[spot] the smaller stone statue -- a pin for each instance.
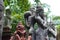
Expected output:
(20, 33)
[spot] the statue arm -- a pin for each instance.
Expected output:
(26, 16)
(30, 21)
(54, 32)
(31, 25)
(41, 21)
(27, 23)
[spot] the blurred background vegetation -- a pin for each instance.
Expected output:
(14, 12)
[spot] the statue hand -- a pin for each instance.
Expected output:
(31, 30)
(38, 18)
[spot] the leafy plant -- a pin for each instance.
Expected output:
(17, 8)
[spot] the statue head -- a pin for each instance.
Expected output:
(39, 9)
(33, 8)
(20, 28)
(27, 14)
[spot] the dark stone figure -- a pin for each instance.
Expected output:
(43, 30)
(37, 17)
(1, 18)
(26, 16)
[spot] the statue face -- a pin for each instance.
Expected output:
(33, 9)
(39, 9)
(20, 27)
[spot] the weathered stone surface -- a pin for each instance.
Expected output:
(1, 18)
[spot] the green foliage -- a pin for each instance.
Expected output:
(56, 18)
(58, 28)
(57, 22)
(6, 2)
(17, 7)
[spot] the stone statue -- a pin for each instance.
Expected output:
(1, 18)
(27, 15)
(38, 18)
(27, 22)
(20, 33)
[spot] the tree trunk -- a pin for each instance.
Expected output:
(1, 18)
